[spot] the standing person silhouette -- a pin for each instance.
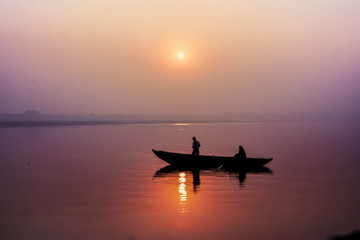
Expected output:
(195, 146)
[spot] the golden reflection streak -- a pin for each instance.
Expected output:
(181, 124)
(182, 187)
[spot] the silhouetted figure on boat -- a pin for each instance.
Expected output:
(241, 154)
(195, 147)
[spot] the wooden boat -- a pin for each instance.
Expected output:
(182, 159)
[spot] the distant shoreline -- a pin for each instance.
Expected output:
(11, 124)
(16, 124)
(36, 119)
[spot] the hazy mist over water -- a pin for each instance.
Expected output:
(103, 182)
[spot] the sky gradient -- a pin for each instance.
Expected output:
(246, 56)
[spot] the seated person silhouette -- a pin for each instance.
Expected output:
(241, 154)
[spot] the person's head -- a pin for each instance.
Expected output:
(240, 146)
(194, 138)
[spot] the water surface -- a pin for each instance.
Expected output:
(104, 182)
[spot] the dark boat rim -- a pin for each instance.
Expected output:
(174, 154)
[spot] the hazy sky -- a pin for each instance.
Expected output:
(113, 56)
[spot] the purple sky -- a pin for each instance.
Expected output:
(121, 56)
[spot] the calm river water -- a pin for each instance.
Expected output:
(104, 182)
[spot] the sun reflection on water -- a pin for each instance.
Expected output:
(182, 187)
(182, 191)
(181, 124)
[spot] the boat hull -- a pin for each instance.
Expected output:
(182, 159)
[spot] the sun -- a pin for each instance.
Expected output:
(180, 55)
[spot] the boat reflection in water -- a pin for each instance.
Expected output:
(183, 176)
(239, 173)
